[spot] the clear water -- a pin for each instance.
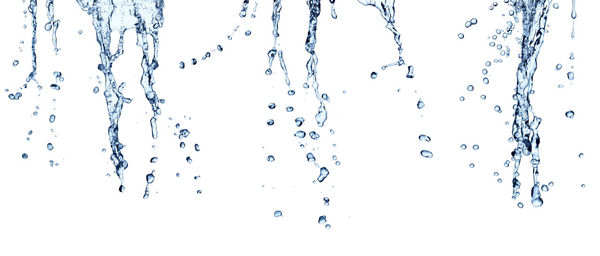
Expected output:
(146, 17)
(275, 51)
(52, 24)
(314, 7)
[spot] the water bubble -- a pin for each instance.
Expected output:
(545, 188)
(277, 214)
(520, 205)
(25, 156)
(181, 65)
(337, 163)
(49, 146)
(424, 137)
(322, 219)
(461, 35)
(570, 114)
(420, 104)
(571, 75)
(426, 154)
(483, 97)
(323, 173)
(470, 88)
(271, 105)
(461, 98)
(373, 75)
(555, 5)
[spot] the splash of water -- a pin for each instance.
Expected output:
(244, 10)
(120, 15)
(274, 51)
(333, 12)
(524, 130)
(311, 66)
(33, 11)
(52, 23)
(387, 10)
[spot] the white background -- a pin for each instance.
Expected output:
(385, 198)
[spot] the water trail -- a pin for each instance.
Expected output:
(33, 11)
(333, 12)
(52, 23)
(524, 131)
(387, 9)
(311, 66)
(274, 51)
(573, 17)
(119, 15)
(244, 10)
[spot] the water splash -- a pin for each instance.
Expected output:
(311, 66)
(333, 12)
(33, 11)
(524, 131)
(52, 23)
(274, 51)
(387, 9)
(120, 15)
(244, 10)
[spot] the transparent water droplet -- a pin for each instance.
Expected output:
(270, 122)
(545, 188)
(270, 158)
(188, 160)
(181, 65)
(475, 147)
(277, 214)
(555, 5)
(153, 159)
(25, 156)
(497, 109)
(558, 67)
(299, 121)
(463, 146)
(570, 114)
(322, 219)
(323, 173)
(580, 155)
(424, 137)
(470, 88)
(499, 180)
(271, 105)
(197, 147)
(310, 157)
(461, 35)
(373, 75)
(300, 134)
(426, 154)
(326, 201)
(571, 75)
(420, 104)
(49, 146)
(520, 205)
(551, 183)
(182, 144)
(471, 165)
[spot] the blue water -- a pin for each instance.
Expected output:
(526, 123)
(275, 51)
(33, 11)
(148, 17)
(311, 66)
(52, 23)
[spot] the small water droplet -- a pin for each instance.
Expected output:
(558, 67)
(322, 219)
(248, 33)
(463, 146)
(426, 154)
(570, 114)
(545, 188)
(300, 134)
(181, 65)
(555, 5)
(270, 158)
(271, 105)
(188, 160)
(580, 155)
(470, 88)
(25, 156)
(424, 137)
(420, 104)
(277, 214)
(499, 180)
(520, 205)
(270, 122)
(323, 173)
(49, 146)
(153, 159)
(471, 165)
(373, 75)
(197, 147)
(475, 147)
(461, 35)
(571, 75)
(326, 201)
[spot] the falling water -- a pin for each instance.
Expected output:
(311, 66)
(33, 11)
(387, 9)
(244, 10)
(525, 132)
(146, 17)
(274, 51)
(573, 17)
(333, 12)
(52, 23)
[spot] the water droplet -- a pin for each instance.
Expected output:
(520, 205)
(420, 104)
(461, 35)
(291, 92)
(270, 158)
(182, 144)
(198, 191)
(555, 5)
(551, 183)
(545, 188)
(373, 75)
(473, 21)
(15, 63)
(570, 114)
(188, 160)
(580, 155)
(471, 165)
(96, 89)
(181, 65)
(470, 88)
(277, 214)
(323, 173)
(411, 72)
(327, 226)
(326, 201)
(322, 219)
(310, 157)
(424, 137)
(25, 156)
(582, 185)
(558, 67)
(150, 178)
(498, 109)
(52, 118)
(486, 80)
(289, 109)
(299, 121)
(475, 147)
(49, 146)
(571, 75)
(314, 135)
(271, 105)
(499, 180)
(463, 146)
(496, 173)
(153, 159)
(197, 147)
(300, 134)
(270, 122)
(426, 154)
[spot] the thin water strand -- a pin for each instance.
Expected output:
(33, 11)
(274, 51)
(311, 66)
(52, 23)
(573, 17)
